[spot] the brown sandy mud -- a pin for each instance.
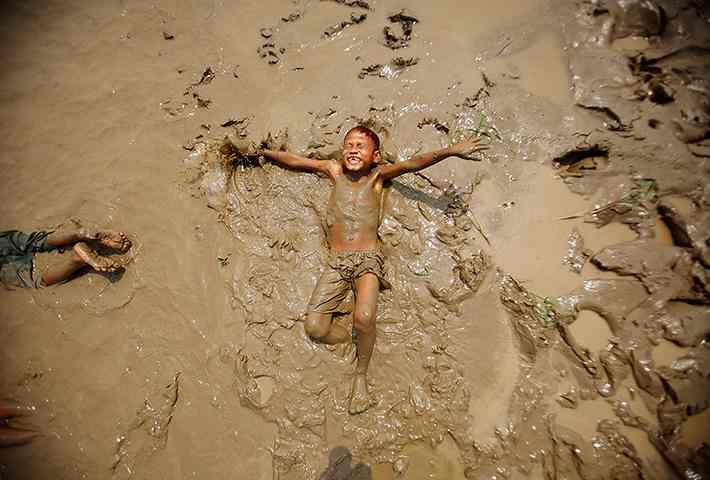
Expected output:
(549, 310)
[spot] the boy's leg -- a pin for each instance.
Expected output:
(367, 289)
(64, 271)
(320, 327)
(81, 256)
(116, 240)
(329, 293)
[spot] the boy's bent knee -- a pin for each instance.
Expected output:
(364, 320)
(316, 325)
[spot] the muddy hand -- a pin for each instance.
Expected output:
(467, 149)
(10, 436)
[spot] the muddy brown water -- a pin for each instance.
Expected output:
(193, 363)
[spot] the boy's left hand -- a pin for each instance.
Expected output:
(468, 148)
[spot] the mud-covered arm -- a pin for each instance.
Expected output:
(465, 149)
(296, 162)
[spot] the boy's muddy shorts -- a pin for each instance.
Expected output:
(338, 278)
(17, 266)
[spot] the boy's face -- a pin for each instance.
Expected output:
(359, 152)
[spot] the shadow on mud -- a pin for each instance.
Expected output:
(340, 467)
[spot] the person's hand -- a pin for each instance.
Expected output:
(467, 149)
(9, 435)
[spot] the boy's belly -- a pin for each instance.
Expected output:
(347, 238)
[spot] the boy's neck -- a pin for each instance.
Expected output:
(357, 176)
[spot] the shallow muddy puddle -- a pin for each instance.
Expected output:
(539, 68)
(592, 330)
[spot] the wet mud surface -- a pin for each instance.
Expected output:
(549, 310)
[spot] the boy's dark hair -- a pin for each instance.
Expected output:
(367, 132)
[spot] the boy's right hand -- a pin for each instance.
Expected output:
(467, 149)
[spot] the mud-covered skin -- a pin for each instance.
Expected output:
(353, 214)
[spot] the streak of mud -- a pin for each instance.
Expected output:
(148, 432)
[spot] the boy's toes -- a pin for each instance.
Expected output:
(94, 260)
(118, 241)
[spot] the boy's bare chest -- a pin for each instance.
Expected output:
(351, 200)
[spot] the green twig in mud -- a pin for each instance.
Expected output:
(484, 129)
(546, 312)
(542, 309)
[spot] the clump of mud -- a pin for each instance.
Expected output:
(388, 70)
(355, 19)
(406, 21)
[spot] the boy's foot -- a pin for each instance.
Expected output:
(360, 399)
(115, 240)
(94, 260)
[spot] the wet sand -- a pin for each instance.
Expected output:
(193, 363)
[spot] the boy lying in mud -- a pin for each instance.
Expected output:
(17, 249)
(353, 218)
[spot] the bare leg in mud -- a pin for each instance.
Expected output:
(108, 238)
(367, 289)
(320, 327)
(81, 256)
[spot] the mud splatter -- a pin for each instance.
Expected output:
(577, 255)
(270, 52)
(355, 19)
(353, 3)
(395, 40)
(388, 70)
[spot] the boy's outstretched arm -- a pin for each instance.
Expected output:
(465, 149)
(297, 162)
